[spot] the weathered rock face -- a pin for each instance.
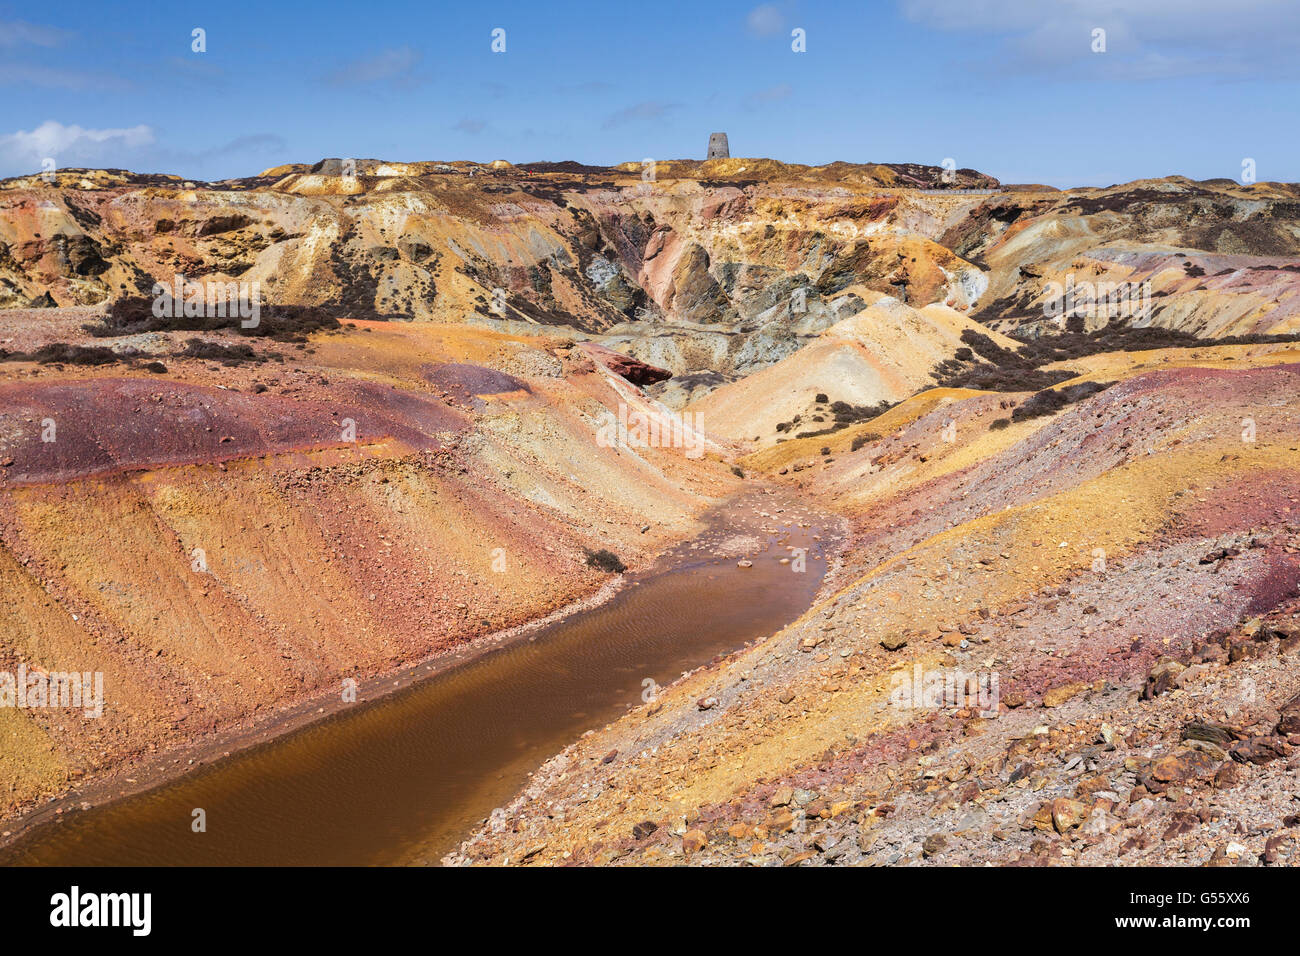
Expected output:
(1216, 258)
(720, 267)
(708, 243)
(695, 295)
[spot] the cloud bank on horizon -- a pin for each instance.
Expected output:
(1077, 92)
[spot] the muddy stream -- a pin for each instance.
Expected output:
(403, 778)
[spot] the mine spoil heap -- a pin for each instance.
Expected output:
(1097, 506)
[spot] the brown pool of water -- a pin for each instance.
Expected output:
(404, 778)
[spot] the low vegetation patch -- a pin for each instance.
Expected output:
(230, 355)
(1049, 401)
(282, 323)
(604, 560)
(62, 353)
(988, 366)
(842, 415)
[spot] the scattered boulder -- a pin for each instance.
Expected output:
(693, 841)
(782, 797)
(1258, 750)
(1183, 766)
(1219, 735)
(1091, 785)
(1289, 717)
(634, 370)
(1180, 823)
(1068, 813)
(933, 844)
(1162, 677)
(1037, 816)
(1229, 775)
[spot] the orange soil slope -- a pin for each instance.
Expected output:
(220, 544)
(884, 353)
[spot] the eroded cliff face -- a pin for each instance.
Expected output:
(702, 243)
(1218, 256)
(710, 269)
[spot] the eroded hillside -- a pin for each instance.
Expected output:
(412, 452)
(1067, 639)
(225, 534)
(712, 270)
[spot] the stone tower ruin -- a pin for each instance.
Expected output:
(718, 148)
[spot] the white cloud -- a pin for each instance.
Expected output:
(647, 110)
(396, 66)
(28, 74)
(765, 20)
(1173, 16)
(772, 94)
(18, 32)
(23, 152)
(1145, 39)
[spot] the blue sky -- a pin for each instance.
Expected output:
(1009, 87)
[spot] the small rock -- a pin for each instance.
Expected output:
(1180, 823)
(1067, 813)
(693, 841)
(1228, 776)
(933, 844)
(643, 829)
(1161, 679)
(783, 797)
(1098, 823)
(1059, 695)
(1218, 734)
(782, 821)
(1289, 717)
(1183, 766)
